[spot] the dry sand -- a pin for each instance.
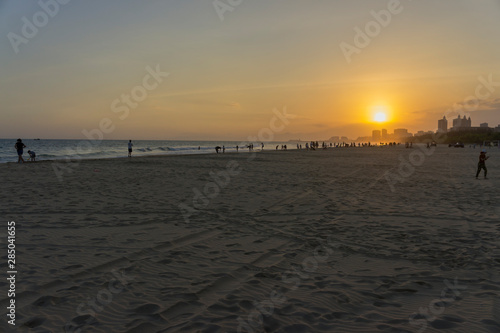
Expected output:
(293, 241)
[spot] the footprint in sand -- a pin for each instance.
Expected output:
(34, 322)
(147, 309)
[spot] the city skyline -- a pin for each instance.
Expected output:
(462, 122)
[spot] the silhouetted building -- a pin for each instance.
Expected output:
(443, 125)
(384, 133)
(376, 135)
(401, 132)
(483, 125)
(460, 124)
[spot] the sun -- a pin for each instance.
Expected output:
(380, 117)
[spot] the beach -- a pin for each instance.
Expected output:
(373, 239)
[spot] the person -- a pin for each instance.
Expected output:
(237, 148)
(130, 145)
(217, 149)
(262, 144)
(482, 164)
(19, 147)
(32, 155)
(223, 149)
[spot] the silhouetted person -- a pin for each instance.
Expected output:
(482, 164)
(237, 148)
(217, 149)
(223, 149)
(130, 145)
(19, 147)
(32, 155)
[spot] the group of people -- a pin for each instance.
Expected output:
(19, 146)
(223, 148)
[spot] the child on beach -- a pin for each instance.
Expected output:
(19, 147)
(482, 164)
(32, 155)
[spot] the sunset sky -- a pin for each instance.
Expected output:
(230, 66)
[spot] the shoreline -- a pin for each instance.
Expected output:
(243, 151)
(123, 157)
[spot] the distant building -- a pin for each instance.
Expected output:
(420, 133)
(460, 124)
(334, 139)
(376, 135)
(345, 138)
(401, 132)
(384, 133)
(483, 125)
(497, 129)
(364, 139)
(443, 125)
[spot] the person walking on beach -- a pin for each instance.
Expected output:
(19, 147)
(130, 145)
(482, 164)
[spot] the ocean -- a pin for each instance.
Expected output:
(85, 149)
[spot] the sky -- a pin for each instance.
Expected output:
(67, 65)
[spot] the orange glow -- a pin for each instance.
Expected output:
(380, 114)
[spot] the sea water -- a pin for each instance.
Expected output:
(85, 149)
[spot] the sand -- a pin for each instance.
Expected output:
(337, 240)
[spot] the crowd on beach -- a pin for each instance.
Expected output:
(313, 145)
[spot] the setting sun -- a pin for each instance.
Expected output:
(380, 117)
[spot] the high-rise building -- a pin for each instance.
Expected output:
(401, 132)
(376, 135)
(461, 123)
(384, 133)
(443, 125)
